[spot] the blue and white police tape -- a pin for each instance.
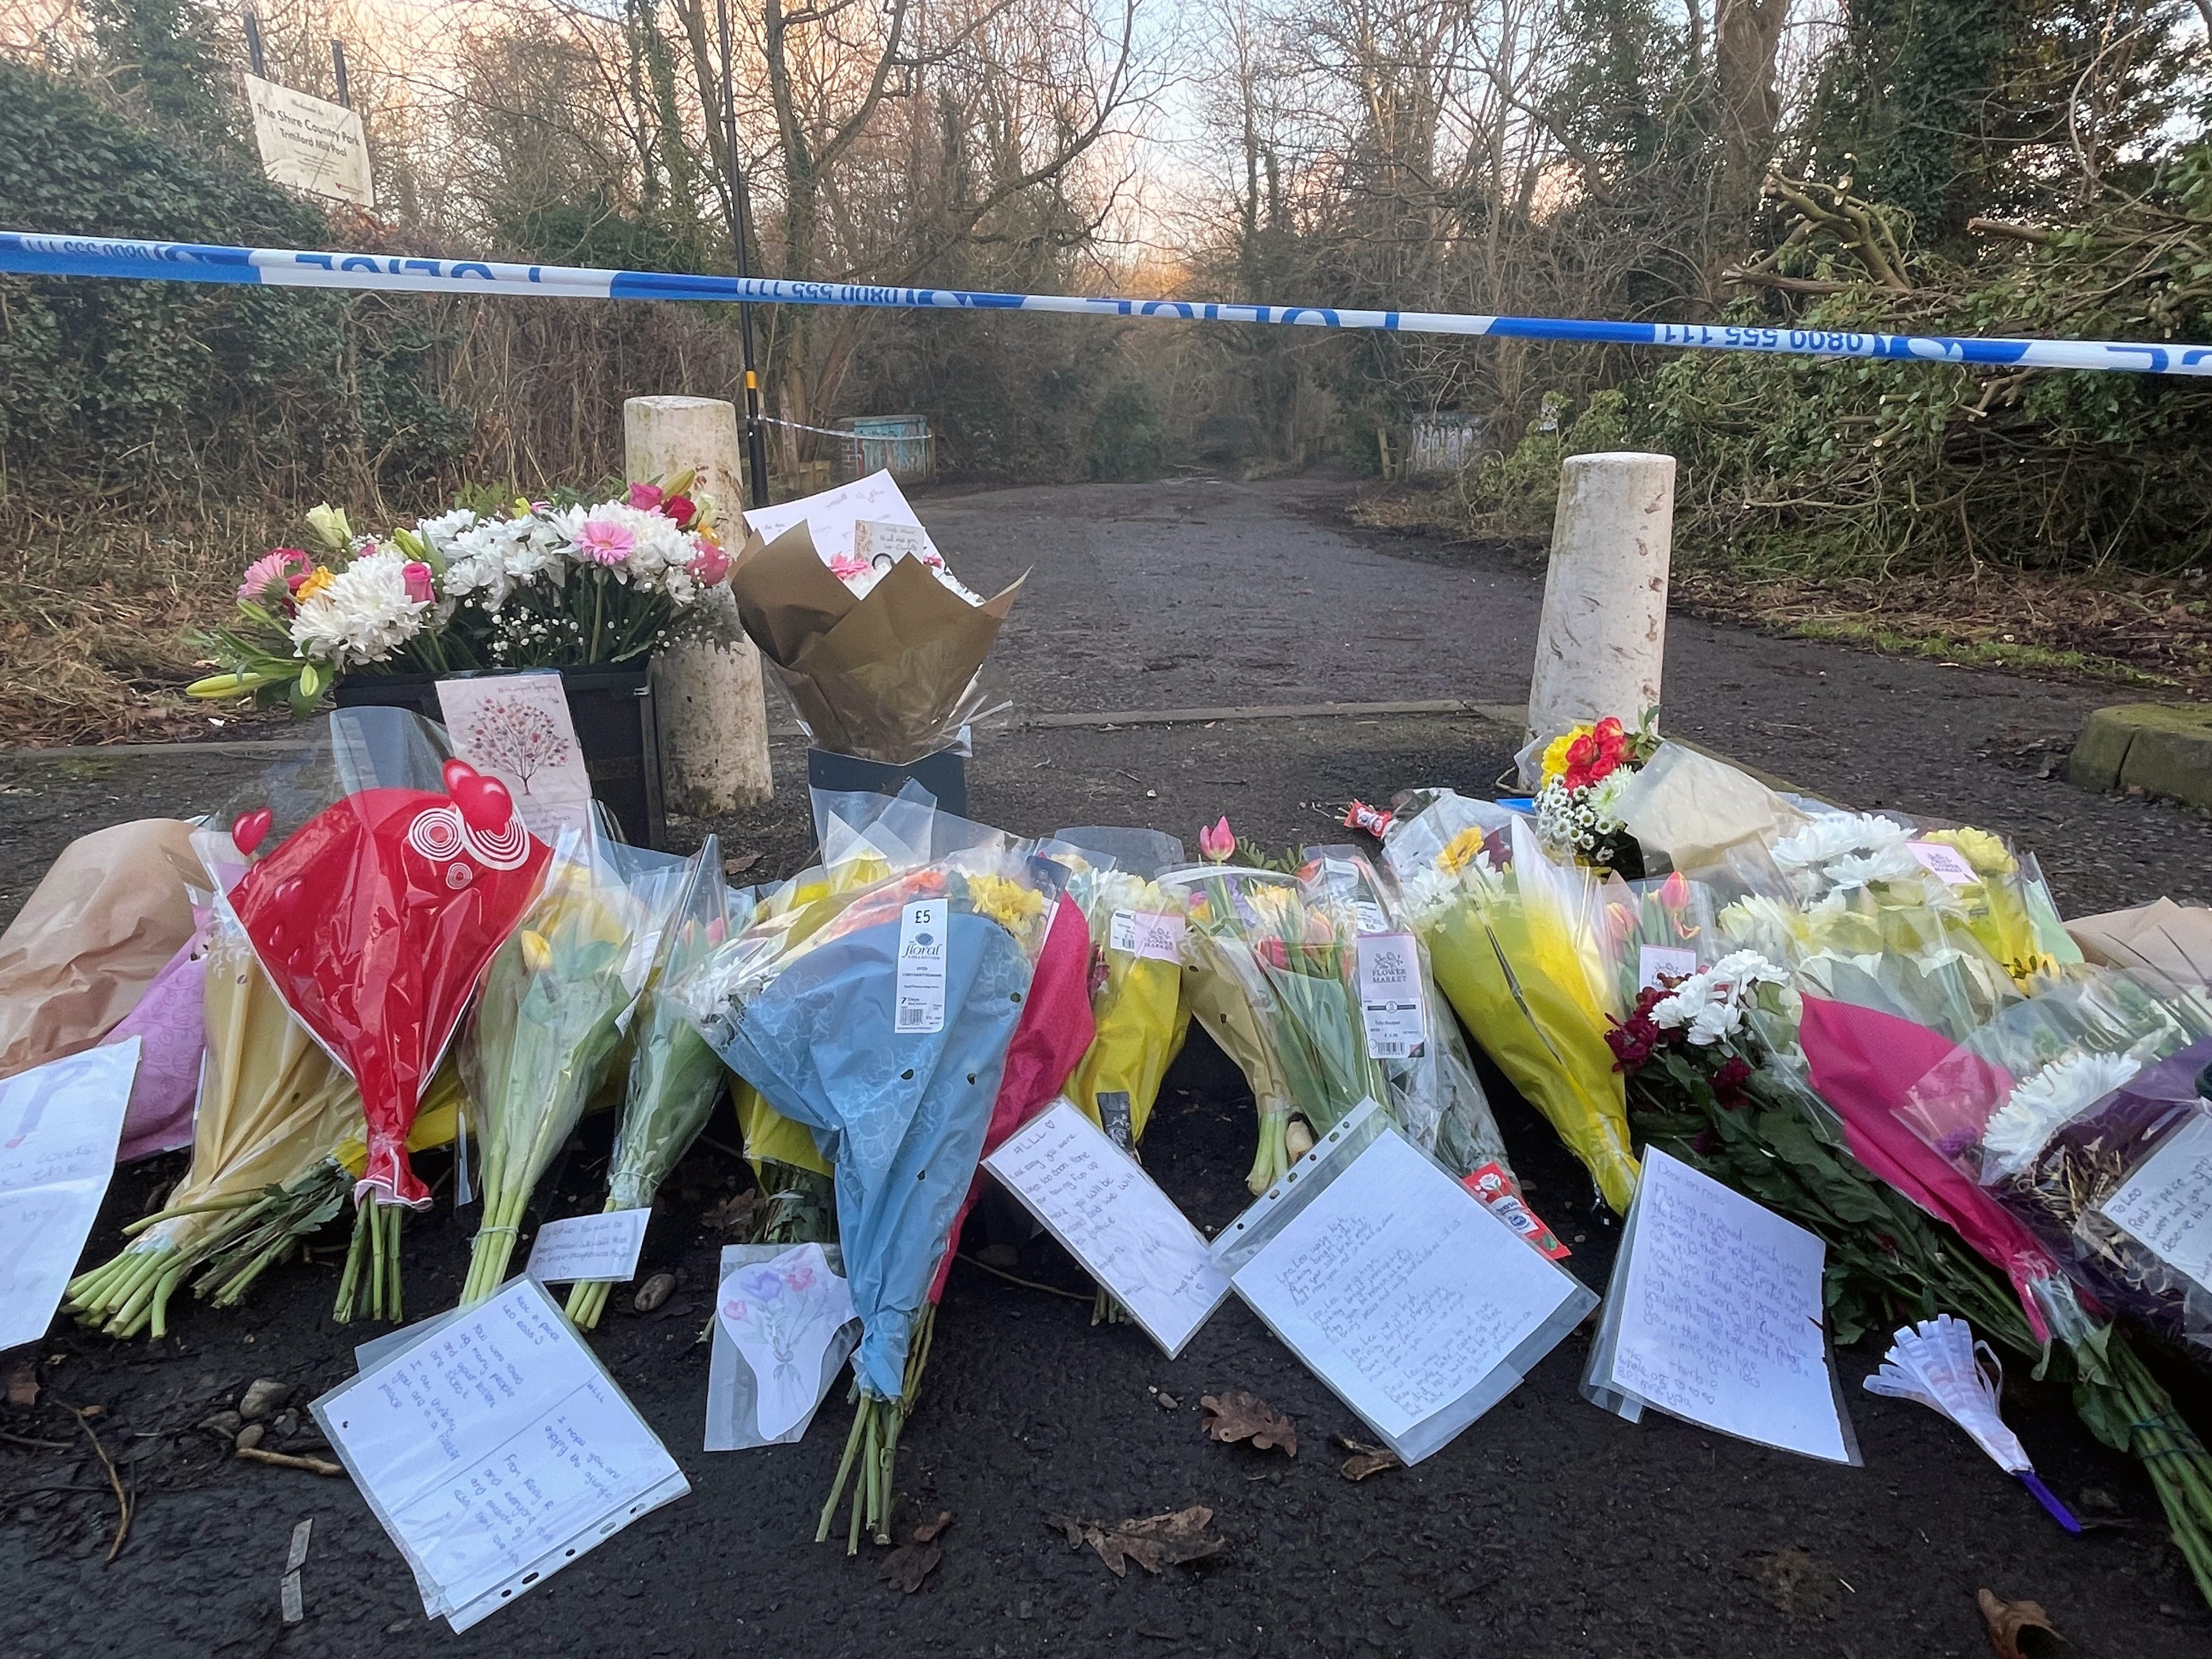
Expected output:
(32, 253)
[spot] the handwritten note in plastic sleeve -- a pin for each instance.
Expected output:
(594, 1246)
(2166, 1205)
(59, 1126)
(1721, 1315)
(1097, 1200)
(496, 1451)
(1399, 1290)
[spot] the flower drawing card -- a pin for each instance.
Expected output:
(517, 728)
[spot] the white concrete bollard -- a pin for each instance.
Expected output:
(713, 712)
(1603, 637)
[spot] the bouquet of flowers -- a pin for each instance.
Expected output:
(1518, 942)
(1138, 1013)
(1847, 905)
(1868, 1066)
(375, 920)
(1708, 1059)
(272, 1105)
(538, 585)
(2003, 901)
(1273, 978)
(880, 1020)
(557, 1000)
(674, 1077)
(2059, 1106)
(1579, 779)
(1656, 932)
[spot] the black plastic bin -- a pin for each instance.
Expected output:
(613, 709)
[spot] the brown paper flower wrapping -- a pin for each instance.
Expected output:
(107, 917)
(890, 676)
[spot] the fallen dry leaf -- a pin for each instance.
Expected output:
(2021, 1630)
(1155, 1541)
(905, 1567)
(23, 1381)
(1241, 1416)
(740, 864)
(1366, 1460)
(927, 1531)
(734, 1213)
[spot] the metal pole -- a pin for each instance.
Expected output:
(337, 64)
(741, 234)
(254, 43)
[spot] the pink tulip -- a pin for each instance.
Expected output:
(1218, 844)
(416, 575)
(644, 496)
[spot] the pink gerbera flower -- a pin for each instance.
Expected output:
(846, 569)
(273, 570)
(603, 543)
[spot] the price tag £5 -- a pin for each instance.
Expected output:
(923, 926)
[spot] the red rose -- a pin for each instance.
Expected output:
(682, 508)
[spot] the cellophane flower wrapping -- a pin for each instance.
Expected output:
(674, 1077)
(1055, 1029)
(2057, 1105)
(377, 917)
(804, 1005)
(783, 1153)
(1844, 904)
(1433, 1092)
(1516, 944)
(1138, 1013)
(2007, 907)
(272, 1107)
(1272, 975)
(556, 1004)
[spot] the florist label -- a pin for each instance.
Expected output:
(2167, 1203)
(920, 989)
(1390, 995)
(1944, 862)
(1146, 933)
(589, 1246)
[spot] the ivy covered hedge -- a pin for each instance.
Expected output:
(138, 384)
